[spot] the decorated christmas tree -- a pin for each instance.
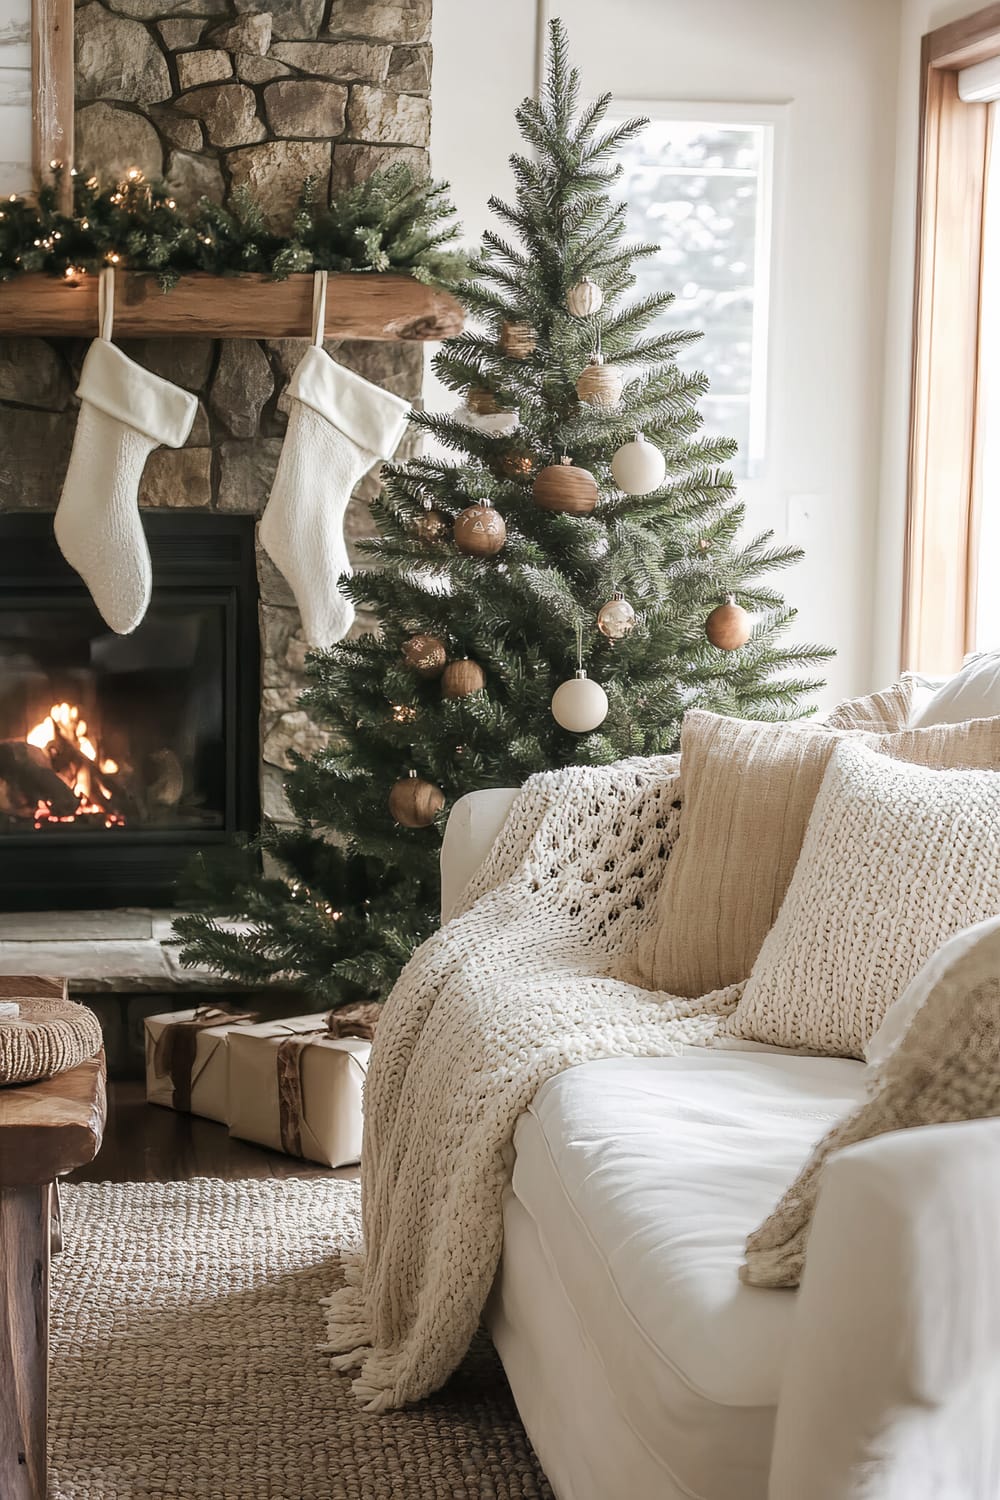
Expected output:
(559, 588)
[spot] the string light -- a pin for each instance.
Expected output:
(133, 174)
(113, 257)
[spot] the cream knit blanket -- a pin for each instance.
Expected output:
(528, 979)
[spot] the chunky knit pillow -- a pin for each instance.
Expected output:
(896, 858)
(748, 790)
(944, 1068)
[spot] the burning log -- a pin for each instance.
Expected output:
(27, 770)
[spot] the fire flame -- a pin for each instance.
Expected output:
(63, 735)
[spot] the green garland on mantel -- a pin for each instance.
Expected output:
(391, 222)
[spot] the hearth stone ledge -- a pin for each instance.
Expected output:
(125, 967)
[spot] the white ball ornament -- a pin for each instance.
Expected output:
(638, 468)
(579, 705)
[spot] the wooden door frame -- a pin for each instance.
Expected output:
(52, 93)
(938, 592)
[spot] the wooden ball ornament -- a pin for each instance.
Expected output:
(729, 627)
(584, 298)
(600, 384)
(579, 705)
(431, 525)
(616, 619)
(517, 340)
(638, 467)
(482, 402)
(461, 678)
(566, 488)
(414, 802)
(479, 530)
(425, 655)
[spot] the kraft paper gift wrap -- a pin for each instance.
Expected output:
(297, 1089)
(187, 1066)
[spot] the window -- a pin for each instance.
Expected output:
(698, 183)
(986, 530)
(953, 527)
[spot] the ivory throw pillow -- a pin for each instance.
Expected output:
(945, 1068)
(896, 859)
(748, 790)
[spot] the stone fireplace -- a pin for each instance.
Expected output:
(225, 94)
(210, 95)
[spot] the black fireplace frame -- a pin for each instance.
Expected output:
(206, 559)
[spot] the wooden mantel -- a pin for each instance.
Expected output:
(359, 305)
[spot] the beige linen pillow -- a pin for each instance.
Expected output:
(945, 1068)
(747, 790)
(888, 711)
(896, 859)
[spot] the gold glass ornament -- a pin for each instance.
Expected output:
(480, 530)
(600, 384)
(430, 526)
(616, 619)
(566, 488)
(414, 802)
(584, 298)
(729, 627)
(425, 655)
(462, 678)
(517, 340)
(516, 465)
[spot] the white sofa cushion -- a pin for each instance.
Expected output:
(973, 693)
(643, 1178)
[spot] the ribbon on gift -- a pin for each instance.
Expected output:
(351, 1020)
(177, 1044)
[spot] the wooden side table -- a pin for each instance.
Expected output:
(46, 1129)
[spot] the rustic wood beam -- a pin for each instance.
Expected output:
(359, 305)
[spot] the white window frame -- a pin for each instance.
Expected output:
(774, 120)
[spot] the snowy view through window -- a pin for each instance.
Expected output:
(701, 192)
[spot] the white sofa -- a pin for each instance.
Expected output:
(644, 1369)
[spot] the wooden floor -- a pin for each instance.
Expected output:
(146, 1143)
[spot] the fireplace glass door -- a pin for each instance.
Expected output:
(100, 731)
(122, 755)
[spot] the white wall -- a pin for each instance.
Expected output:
(15, 96)
(836, 62)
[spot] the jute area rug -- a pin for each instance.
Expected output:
(185, 1319)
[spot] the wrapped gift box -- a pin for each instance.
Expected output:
(297, 1089)
(187, 1067)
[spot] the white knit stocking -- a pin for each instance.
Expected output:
(126, 413)
(340, 425)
